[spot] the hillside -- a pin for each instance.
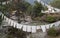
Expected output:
(45, 1)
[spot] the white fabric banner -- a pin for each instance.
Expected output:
(24, 28)
(19, 26)
(57, 23)
(6, 19)
(47, 26)
(33, 29)
(2, 15)
(43, 28)
(15, 24)
(51, 25)
(29, 28)
(38, 27)
(4, 3)
(11, 22)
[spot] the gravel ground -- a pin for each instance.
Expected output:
(37, 35)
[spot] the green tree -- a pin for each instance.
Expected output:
(37, 9)
(21, 9)
(55, 3)
(30, 10)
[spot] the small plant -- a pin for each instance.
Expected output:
(52, 32)
(50, 19)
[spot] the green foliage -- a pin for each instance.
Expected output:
(37, 18)
(41, 14)
(37, 9)
(3, 8)
(50, 19)
(52, 32)
(55, 3)
(21, 6)
(45, 8)
(0, 20)
(23, 9)
(30, 10)
(14, 32)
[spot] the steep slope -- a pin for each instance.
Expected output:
(45, 1)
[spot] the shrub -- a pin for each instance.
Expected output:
(52, 32)
(50, 19)
(0, 20)
(14, 32)
(41, 14)
(37, 18)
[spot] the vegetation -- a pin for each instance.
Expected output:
(16, 33)
(50, 19)
(37, 9)
(56, 3)
(52, 32)
(24, 9)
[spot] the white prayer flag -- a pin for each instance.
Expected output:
(24, 28)
(6, 19)
(51, 25)
(33, 29)
(15, 24)
(47, 26)
(19, 26)
(57, 23)
(11, 22)
(43, 28)
(38, 27)
(29, 28)
(4, 3)
(2, 15)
